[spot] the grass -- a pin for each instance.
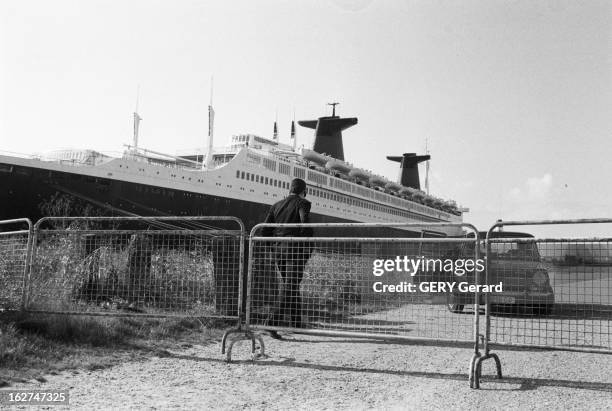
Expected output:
(32, 345)
(152, 273)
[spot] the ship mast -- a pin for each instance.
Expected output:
(426, 169)
(275, 133)
(207, 163)
(333, 108)
(137, 119)
(293, 136)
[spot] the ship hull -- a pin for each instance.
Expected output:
(29, 192)
(34, 193)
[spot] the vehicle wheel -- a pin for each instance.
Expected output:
(455, 308)
(543, 309)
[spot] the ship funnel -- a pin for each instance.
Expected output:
(409, 169)
(328, 134)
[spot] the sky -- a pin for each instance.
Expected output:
(513, 97)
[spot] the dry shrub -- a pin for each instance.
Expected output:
(73, 271)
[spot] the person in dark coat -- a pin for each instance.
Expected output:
(290, 257)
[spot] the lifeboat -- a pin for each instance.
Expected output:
(446, 206)
(429, 200)
(315, 157)
(438, 202)
(407, 191)
(359, 174)
(393, 186)
(418, 193)
(377, 181)
(338, 166)
(450, 206)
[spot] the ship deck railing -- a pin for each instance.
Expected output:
(279, 156)
(92, 159)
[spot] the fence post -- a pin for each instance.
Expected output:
(27, 268)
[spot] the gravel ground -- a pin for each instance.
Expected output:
(307, 372)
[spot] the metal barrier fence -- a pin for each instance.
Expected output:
(15, 240)
(137, 266)
(361, 284)
(359, 281)
(557, 292)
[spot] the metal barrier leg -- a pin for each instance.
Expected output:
(242, 336)
(262, 347)
(497, 366)
(477, 336)
(475, 383)
(225, 335)
(472, 372)
(478, 369)
(477, 365)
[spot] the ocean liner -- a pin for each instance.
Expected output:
(242, 180)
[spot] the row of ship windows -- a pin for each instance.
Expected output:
(165, 192)
(324, 194)
(171, 175)
(261, 179)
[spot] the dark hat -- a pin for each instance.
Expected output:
(298, 186)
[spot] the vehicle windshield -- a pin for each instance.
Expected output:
(506, 250)
(513, 250)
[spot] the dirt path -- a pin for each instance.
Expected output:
(335, 373)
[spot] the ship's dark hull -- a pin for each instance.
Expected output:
(34, 193)
(30, 192)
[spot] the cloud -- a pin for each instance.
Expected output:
(534, 199)
(540, 198)
(536, 189)
(539, 187)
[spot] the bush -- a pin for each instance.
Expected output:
(77, 271)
